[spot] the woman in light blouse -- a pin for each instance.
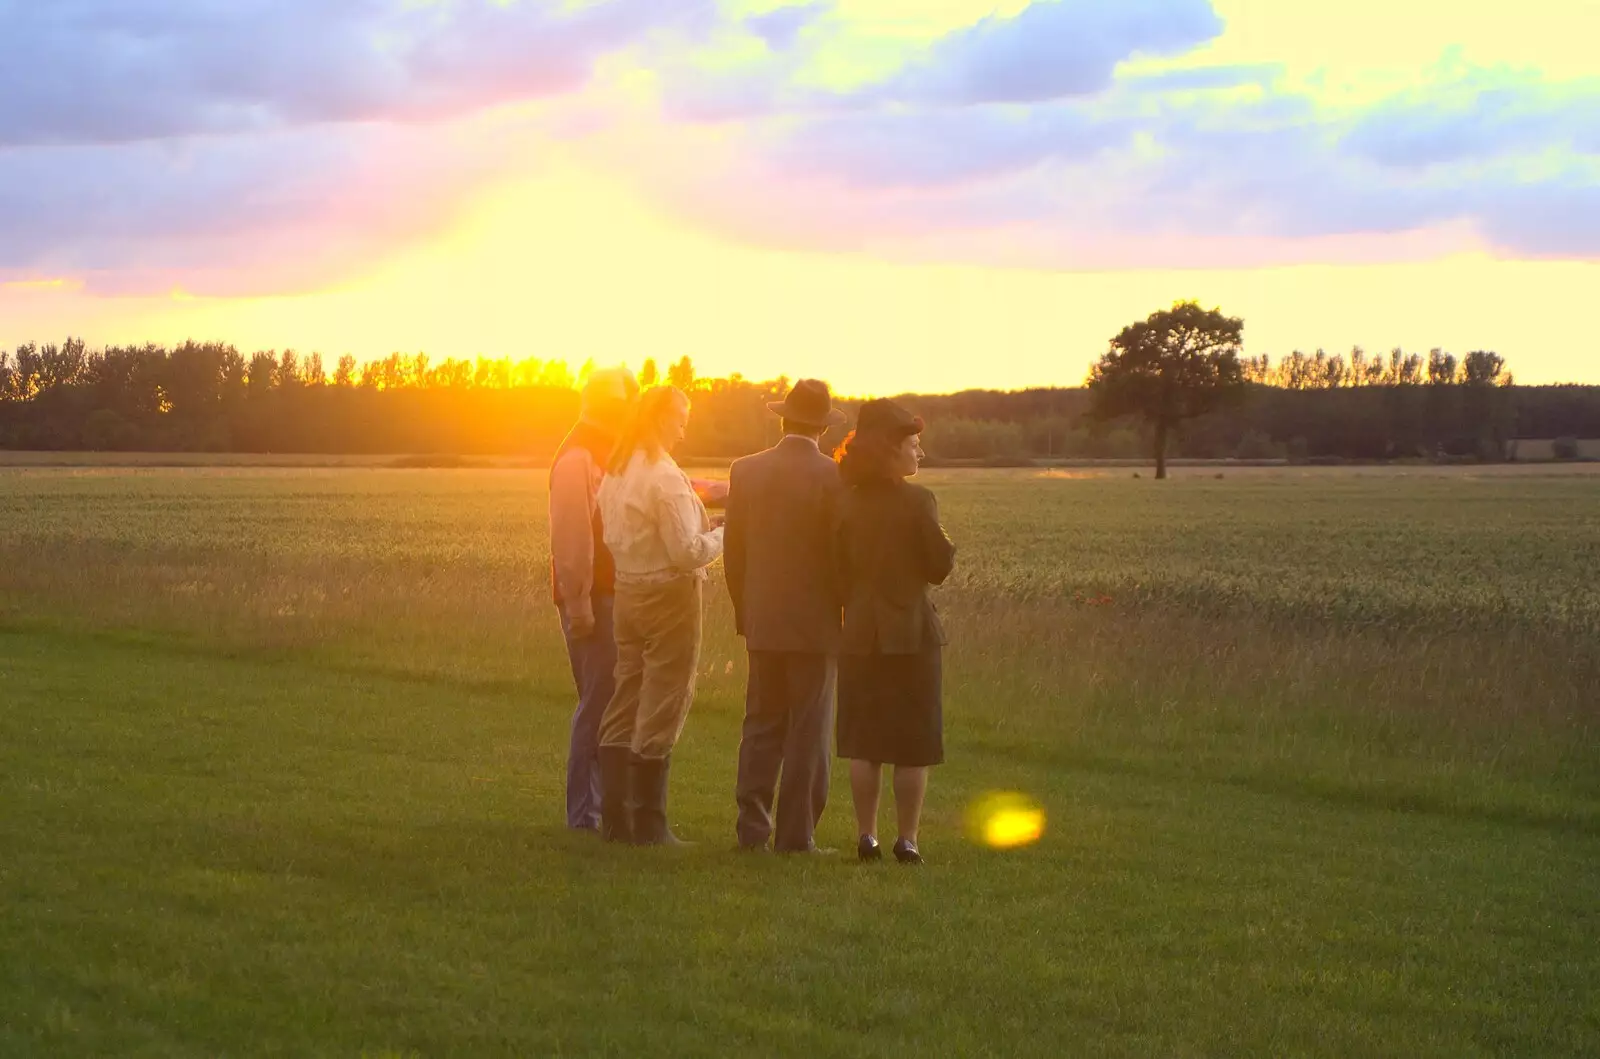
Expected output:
(662, 540)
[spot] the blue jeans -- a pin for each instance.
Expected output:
(594, 663)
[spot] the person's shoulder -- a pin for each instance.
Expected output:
(764, 466)
(807, 458)
(668, 475)
(577, 456)
(638, 474)
(917, 495)
(744, 466)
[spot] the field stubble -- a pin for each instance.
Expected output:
(1287, 623)
(1323, 749)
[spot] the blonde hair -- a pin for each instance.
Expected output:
(643, 430)
(608, 393)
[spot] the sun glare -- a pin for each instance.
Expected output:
(1005, 820)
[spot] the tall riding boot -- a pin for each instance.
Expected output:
(616, 794)
(650, 791)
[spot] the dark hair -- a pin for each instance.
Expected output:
(805, 430)
(864, 458)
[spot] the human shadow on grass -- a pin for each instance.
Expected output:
(185, 645)
(451, 856)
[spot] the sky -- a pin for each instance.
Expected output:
(894, 195)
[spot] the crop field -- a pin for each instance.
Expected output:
(281, 756)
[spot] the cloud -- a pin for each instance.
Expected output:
(255, 146)
(890, 149)
(781, 28)
(1052, 49)
(1549, 221)
(275, 211)
(770, 83)
(1476, 116)
(1229, 167)
(1034, 122)
(1205, 78)
(94, 71)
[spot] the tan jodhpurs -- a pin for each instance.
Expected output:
(658, 657)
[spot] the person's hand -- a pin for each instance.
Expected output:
(711, 491)
(580, 620)
(718, 521)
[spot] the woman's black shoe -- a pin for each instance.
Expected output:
(906, 853)
(868, 850)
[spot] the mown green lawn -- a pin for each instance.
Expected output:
(260, 796)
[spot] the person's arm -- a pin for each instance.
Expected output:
(712, 492)
(682, 518)
(572, 537)
(839, 547)
(938, 552)
(833, 536)
(733, 543)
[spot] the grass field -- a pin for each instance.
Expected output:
(281, 750)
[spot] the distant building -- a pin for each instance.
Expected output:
(1534, 450)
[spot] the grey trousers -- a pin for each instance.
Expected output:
(788, 725)
(594, 665)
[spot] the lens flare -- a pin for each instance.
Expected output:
(1005, 820)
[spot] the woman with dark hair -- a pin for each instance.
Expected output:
(890, 549)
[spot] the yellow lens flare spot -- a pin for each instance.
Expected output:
(1005, 820)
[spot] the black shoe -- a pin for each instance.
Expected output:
(906, 852)
(650, 794)
(868, 851)
(616, 794)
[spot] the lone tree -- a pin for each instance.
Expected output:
(1180, 363)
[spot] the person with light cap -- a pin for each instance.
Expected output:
(583, 576)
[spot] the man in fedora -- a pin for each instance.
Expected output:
(778, 558)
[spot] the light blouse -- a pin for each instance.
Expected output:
(655, 526)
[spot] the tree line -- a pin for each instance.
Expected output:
(209, 397)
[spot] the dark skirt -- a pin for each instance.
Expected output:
(891, 708)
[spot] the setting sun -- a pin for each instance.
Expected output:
(858, 191)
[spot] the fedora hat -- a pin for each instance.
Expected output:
(809, 402)
(883, 416)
